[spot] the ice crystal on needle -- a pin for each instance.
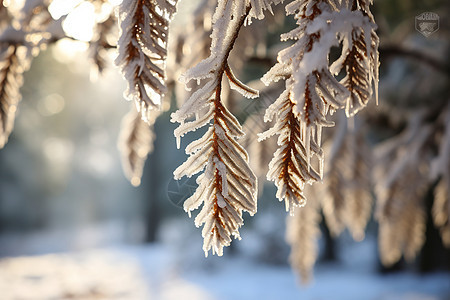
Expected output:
(359, 59)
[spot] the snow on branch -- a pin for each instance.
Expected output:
(312, 91)
(299, 129)
(142, 50)
(291, 167)
(190, 44)
(259, 6)
(359, 60)
(227, 186)
(348, 201)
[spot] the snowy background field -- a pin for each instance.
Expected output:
(175, 268)
(152, 272)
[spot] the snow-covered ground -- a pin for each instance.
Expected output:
(155, 272)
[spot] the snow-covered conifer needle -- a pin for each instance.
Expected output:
(302, 233)
(348, 201)
(227, 186)
(300, 110)
(30, 30)
(142, 50)
(400, 192)
(13, 62)
(441, 168)
(311, 89)
(289, 166)
(135, 143)
(359, 60)
(441, 208)
(101, 42)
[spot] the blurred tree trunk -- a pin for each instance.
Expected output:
(434, 255)
(329, 253)
(152, 189)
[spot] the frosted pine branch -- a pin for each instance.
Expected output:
(400, 192)
(441, 209)
(334, 202)
(190, 45)
(291, 167)
(299, 111)
(100, 44)
(348, 200)
(359, 60)
(227, 186)
(142, 50)
(27, 34)
(310, 86)
(14, 61)
(359, 197)
(441, 169)
(302, 233)
(135, 143)
(402, 231)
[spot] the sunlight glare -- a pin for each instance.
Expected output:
(58, 8)
(58, 151)
(67, 50)
(80, 22)
(13, 6)
(51, 105)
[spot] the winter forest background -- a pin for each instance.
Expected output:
(73, 227)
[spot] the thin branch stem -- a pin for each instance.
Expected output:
(386, 51)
